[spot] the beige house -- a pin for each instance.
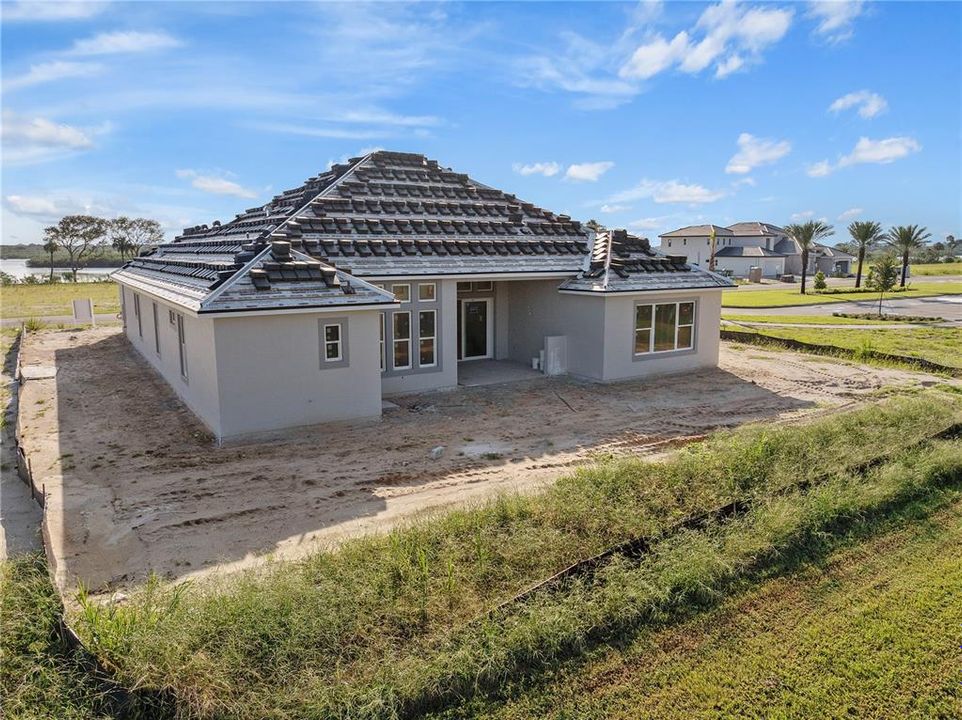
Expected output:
(745, 245)
(390, 274)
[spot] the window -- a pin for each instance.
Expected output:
(484, 286)
(669, 243)
(332, 342)
(664, 327)
(380, 343)
(465, 287)
(427, 292)
(171, 317)
(684, 241)
(153, 309)
(402, 340)
(140, 324)
(426, 338)
(402, 292)
(182, 345)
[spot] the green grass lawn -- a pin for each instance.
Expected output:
(870, 630)
(939, 345)
(806, 319)
(399, 624)
(24, 301)
(792, 296)
(937, 269)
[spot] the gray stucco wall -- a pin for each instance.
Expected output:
(199, 389)
(620, 361)
(537, 309)
(272, 376)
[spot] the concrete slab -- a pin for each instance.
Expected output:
(476, 373)
(37, 372)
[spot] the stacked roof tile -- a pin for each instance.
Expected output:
(382, 215)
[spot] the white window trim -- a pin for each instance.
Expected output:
(382, 341)
(172, 317)
(651, 329)
(340, 335)
(395, 341)
(488, 283)
(435, 293)
(182, 345)
(140, 323)
(432, 338)
(398, 285)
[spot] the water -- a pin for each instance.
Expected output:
(19, 269)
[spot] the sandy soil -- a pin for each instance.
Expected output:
(135, 484)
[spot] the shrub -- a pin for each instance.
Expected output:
(820, 283)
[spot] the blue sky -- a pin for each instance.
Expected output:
(645, 115)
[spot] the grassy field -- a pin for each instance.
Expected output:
(937, 269)
(939, 345)
(399, 624)
(792, 296)
(39, 676)
(806, 319)
(868, 627)
(25, 301)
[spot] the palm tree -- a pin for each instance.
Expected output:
(806, 235)
(51, 246)
(905, 239)
(865, 233)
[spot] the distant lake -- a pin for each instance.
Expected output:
(19, 269)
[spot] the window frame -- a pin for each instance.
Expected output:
(339, 342)
(433, 338)
(394, 288)
(651, 352)
(156, 317)
(395, 341)
(434, 292)
(382, 341)
(140, 322)
(484, 286)
(182, 346)
(172, 317)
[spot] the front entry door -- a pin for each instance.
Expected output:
(477, 337)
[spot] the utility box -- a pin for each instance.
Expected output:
(555, 355)
(754, 274)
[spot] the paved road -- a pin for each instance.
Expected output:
(769, 284)
(944, 306)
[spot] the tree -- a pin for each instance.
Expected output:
(78, 236)
(883, 276)
(593, 224)
(820, 283)
(806, 235)
(129, 235)
(905, 239)
(865, 234)
(50, 246)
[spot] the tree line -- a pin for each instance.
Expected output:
(865, 235)
(82, 237)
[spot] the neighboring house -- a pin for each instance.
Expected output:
(386, 274)
(744, 245)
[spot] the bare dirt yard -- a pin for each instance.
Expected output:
(135, 484)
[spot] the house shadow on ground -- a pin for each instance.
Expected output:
(137, 485)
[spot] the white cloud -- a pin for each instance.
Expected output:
(31, 205)
(869, 104)
(548, 169)
(648, 223)
(880, 151)
(321, 132)
(668, 191)
(835, 18)
(850, 213)
(744, 181)
(113, 43)
(37, 139)
(611, 208)
(588, 172)
(804, 215)
(728, 36)
(868, 151)
(215, 185)
(381, 117)
(33, 11)
(51, 72)
(754, 151)
(819, 169)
